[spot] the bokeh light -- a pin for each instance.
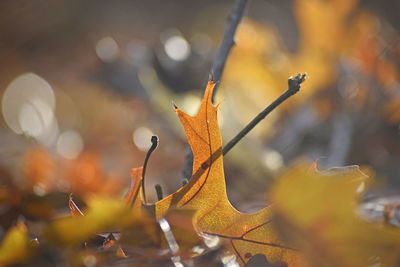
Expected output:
(272, 159)
(28, 106)
(107, 49)
(142, 138)
(175, 45)
(191, 104)
(69, 144)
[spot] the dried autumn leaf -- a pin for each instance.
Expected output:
(143, 233)
(103, 215)
(144, 236)
(132, 198)
(246, 234)
(108, 242)
(318, 214)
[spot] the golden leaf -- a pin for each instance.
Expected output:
(246, 234)
(103, 215)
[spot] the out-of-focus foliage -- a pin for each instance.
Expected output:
(351, 57)
(15, 247)
(318, 214)
(81, 176)
(102, 214)
(331, 33)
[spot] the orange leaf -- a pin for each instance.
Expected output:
(246, 234)
(134, 190)
(74, 209)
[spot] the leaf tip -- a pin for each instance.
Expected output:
(209, 90)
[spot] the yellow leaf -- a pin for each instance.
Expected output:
(15, 247)
(103, 214)
(317, 213)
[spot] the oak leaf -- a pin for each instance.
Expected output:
(246, 234)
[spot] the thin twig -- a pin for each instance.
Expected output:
(154, 144)
(218, 65)
(228, 41)
(294, 87)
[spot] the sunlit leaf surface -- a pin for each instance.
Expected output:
(246, 234)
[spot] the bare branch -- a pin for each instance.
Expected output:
(218, 65)
(294, 87)
(228, 41)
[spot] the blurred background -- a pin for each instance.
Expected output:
(84, 85)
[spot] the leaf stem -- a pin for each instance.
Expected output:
(159, 191)
(154, 141)
(294, 87)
